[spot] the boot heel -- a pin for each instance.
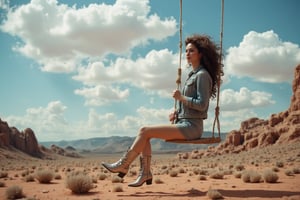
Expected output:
(121, 175)
(149, 181)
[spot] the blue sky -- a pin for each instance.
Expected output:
(82, 69)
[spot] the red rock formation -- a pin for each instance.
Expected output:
(24, 141)
(283, 127)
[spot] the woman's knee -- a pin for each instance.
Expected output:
(143, 131)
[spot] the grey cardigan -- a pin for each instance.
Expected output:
(197, 89)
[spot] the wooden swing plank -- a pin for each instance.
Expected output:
(197, 141)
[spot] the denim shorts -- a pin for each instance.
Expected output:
(190, 128)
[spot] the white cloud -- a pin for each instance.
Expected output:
(42, 119)
(4, 4)
(49, 123)
(101, 95)
(155, 73)
(59, 37)
(264, 57)
(244, 99)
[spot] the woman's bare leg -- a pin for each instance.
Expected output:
(166, 132)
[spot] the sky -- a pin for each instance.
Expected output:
(82, 69)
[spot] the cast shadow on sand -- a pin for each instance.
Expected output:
(225, 193)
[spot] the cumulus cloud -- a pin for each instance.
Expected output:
(154, 72)
(42, 119)
(101, 95)
(263, 57)
(244, 99)
(59, 37)
(4, 4)
(49, 122)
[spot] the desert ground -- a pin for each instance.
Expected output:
(268, 173)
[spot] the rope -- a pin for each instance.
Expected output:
(217, 109)
(178, 80)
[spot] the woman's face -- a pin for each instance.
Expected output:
(192, 54)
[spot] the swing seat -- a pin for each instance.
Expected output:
(206, 140)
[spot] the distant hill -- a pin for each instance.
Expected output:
(117, 144)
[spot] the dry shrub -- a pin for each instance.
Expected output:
(202, 178)
(14, 192)
(296, 170)
(79, 182)
(116, 179)
(181, 170)
(237, 174)
(102, 176)
(289, 172)
(117, 188)
(158, 181)
(216, 175)
(251, 176)
(3, 174)
(239, 167)
(173, 173)
(44, 176)
(270, 176)
(57, 176)
(2, 184)
(214, 194)
(279, 164)
(29, 178)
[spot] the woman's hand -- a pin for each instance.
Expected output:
(178, 96)
(173, 116)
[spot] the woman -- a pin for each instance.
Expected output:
(203, 55)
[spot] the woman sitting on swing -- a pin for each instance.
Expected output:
(201, 85)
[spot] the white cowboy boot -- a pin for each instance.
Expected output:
(122, 165)
(145, 173)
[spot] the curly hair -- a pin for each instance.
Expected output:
(211, 58)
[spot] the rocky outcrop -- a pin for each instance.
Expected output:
(64, 152)
(283, 127)
(25, 141)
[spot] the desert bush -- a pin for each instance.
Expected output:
(216, 175)
(44, 176)
(3, 174)
(270, 176)
(79, 182)
(239, 167)
(164, 167)
(29, 178)
(116, 179)
(158, 181)
(14, 192)
(255, 177)
(57, 176)
(237, 174)
(181, 170)
(173, 173)
(289, 172)
(102, 176)
(203, 172)
(25, 173)
(214, 194)
(275, 169)
(251, 176)
(2, 184)
(279, 164)
(296, 170)
(117, 188)
(202, 178)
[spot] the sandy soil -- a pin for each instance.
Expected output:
(186, 185)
